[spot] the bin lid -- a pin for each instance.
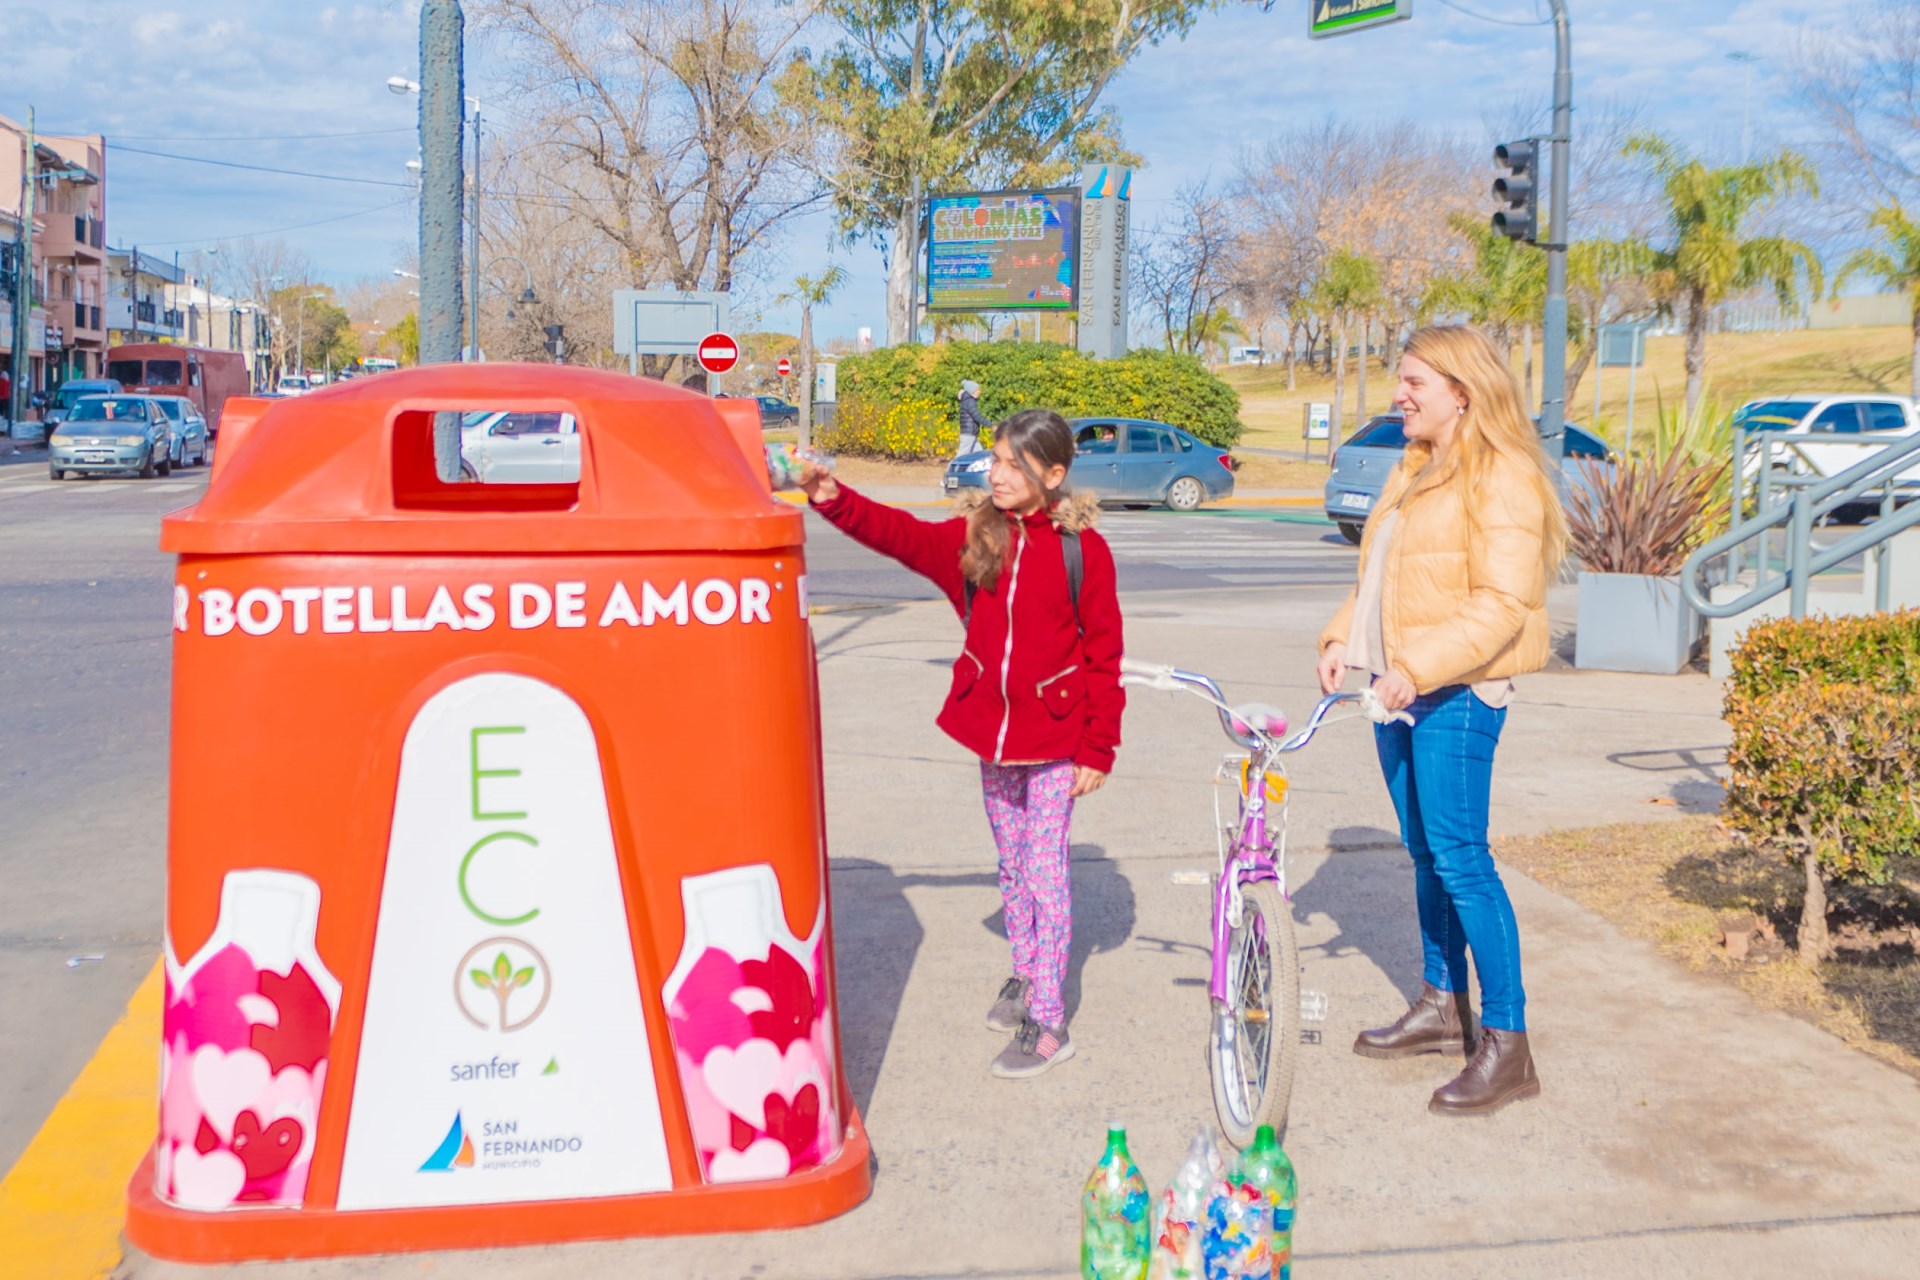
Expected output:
(350, 469)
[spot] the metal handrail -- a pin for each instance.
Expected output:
(1810, 500)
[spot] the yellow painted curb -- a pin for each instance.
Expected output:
(63, 1202)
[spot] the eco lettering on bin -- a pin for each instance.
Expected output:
(495, 736)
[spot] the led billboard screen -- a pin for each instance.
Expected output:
(1003, 251)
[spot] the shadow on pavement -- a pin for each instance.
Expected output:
(876, 937)
(1372, 913)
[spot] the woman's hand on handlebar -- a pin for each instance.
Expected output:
(818, 482)
(1332, 667)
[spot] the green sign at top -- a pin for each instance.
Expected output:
(1337, 17)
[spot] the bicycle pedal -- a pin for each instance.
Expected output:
(1313, 1006)
(1192, 877)
(1309, 1035)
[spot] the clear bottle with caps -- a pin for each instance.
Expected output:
(1113, 1216)
(786, 462)
(1249, 1231)
(1179, 1219)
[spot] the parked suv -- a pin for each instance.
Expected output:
(1361, 467)
(1856, 422)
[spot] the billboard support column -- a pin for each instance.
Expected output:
(1104, 227)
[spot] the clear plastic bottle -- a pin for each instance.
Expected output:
(1179, 1220)
(785, 462)
(1113, 1216)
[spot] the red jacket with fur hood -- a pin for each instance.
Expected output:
(1029, 686)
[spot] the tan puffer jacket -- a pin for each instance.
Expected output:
(1463, 601)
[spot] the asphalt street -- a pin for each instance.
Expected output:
(84, 601)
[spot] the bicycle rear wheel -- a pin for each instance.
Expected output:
(1255, 1039)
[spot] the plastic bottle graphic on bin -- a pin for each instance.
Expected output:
(752, 1031)
(1113, 1216)
(247, 1027)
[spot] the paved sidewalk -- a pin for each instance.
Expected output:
(1681, 1131)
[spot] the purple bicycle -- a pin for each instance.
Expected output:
(1253, 1040)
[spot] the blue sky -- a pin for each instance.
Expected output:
(245, 81)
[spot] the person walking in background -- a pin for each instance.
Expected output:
(970, 419)
(1036, 690)
(1450, 606)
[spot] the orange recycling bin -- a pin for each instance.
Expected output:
(497, 888)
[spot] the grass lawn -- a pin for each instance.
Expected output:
(1740, 367)
(1723, 910)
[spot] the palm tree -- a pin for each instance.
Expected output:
(1707, 212)
(1348, 288)
(1899, 268)
(1505, 290)
(810, 292)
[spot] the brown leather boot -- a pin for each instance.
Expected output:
(1500, 1071)
(1437, 1022)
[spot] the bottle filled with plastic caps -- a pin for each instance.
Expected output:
(1113, 1216)
(786, 462)
(1180, 1217)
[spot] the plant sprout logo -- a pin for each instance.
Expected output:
(502, 984)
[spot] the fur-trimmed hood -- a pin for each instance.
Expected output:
(1074, 513)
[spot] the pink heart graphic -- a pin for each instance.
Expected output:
(213, 1181)
(227, 1084)
(741, 1078)
(764, 1159)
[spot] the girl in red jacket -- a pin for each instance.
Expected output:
(1036, 691)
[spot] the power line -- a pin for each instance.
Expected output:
(116, 138)
(301, 226)
(1487, 17)
(261, 168)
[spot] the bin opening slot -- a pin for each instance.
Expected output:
(510, 460)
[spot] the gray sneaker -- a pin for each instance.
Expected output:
(1010, 1009)
(1034, 1049)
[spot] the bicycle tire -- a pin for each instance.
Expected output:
(1252, 1077)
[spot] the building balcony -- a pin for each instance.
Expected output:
(79, 237)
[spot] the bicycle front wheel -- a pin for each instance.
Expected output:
(1255, 1039)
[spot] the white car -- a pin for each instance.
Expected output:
(291, 384)
(497, 447)
(1858, 424)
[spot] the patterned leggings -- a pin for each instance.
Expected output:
(1029, 808)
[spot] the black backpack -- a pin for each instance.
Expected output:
(1076, 570)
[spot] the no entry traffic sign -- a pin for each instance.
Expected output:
(784, 368)
(719, 353)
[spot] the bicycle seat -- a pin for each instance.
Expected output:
(1261, 718)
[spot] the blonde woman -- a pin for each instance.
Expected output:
(1451, 606)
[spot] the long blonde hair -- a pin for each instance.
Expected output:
(1494, 426)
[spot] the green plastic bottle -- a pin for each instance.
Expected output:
(1114, 1216)
(1265, 1168)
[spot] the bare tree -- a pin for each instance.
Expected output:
(1862, 82)
(1188, 269)
(274, 274)
(671, 138)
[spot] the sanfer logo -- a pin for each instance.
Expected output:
(502, 984)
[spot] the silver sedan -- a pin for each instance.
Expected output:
(112, 434)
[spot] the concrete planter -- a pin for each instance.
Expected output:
(1632, 622)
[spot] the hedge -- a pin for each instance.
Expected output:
(1824, 765)
(903, 401)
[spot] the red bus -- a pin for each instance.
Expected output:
(202, 375)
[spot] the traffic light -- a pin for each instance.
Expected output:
(1517, 192)
(556, 341)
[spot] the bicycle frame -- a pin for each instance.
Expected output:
(1252, 857)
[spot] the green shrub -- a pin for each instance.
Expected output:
(1824, 766)
(1026, 375)
(911, 430)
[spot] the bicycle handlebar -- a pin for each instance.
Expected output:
(1155, 675)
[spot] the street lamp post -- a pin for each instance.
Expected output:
(1553, 362)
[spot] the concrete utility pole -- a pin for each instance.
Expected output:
(1553, 363)
(442, 101)
(23, 281)
(473, 246)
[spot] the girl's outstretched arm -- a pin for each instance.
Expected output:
(929, 548)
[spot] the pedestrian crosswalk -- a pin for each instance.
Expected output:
(1242, 549)
(22, 481)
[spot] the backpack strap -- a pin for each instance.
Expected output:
(1076, 561)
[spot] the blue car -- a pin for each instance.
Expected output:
(1363, 463)
(1127, 460)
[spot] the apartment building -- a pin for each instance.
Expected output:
(68, 266)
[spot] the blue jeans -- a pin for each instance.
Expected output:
(1439, 771)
